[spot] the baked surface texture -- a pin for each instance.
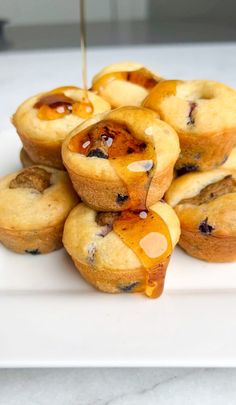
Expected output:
(34, 204)
(203, 113)
(206, 206)
(96, 179)
(126, 83)
(102, 258)
(42, 138)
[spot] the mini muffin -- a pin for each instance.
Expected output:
(206, 206)
(122, 159)
(126, 83)
(34, 204)
(44, 120)
(25, 159)
(122, 252)
(203, 113)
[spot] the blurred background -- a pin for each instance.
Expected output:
(33, 24)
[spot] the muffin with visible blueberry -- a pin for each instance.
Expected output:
(34, 204)
(206, 206)
(44, 120)
(122, 252)
(122, 159)
(203, 113)
(126, 83)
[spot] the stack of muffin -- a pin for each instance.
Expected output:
(120, 162)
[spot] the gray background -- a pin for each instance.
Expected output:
(48, 24)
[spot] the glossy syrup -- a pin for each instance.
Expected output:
(85, 109)
(132, 158)
(148, 236)
(141, 77)
(143, 231)
(55, 104)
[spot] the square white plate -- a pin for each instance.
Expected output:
(48, 315)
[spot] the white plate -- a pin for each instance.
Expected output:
(50, 317)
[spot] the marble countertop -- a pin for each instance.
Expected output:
(118, 386)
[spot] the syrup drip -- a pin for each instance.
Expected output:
(148, 236)
(132, 158)
(141, 77)
(85, 109)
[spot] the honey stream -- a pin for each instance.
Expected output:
(86, 108)
(55, 104)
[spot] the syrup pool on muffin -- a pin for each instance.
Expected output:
(121, 160)
(43, 121)
(132, 158)
(126, 83)
(56, 104)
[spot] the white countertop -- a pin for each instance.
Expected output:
(31, 72)
(28, 72)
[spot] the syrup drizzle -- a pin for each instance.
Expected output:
(148, 236)
(85, 109)
(56, 104)
(145, 232)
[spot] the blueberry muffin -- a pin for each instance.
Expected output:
(122, 252)
(44, 120)
(203, 113)
(126, 83)
(206, 206)
(34, 204)
(122, 159)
